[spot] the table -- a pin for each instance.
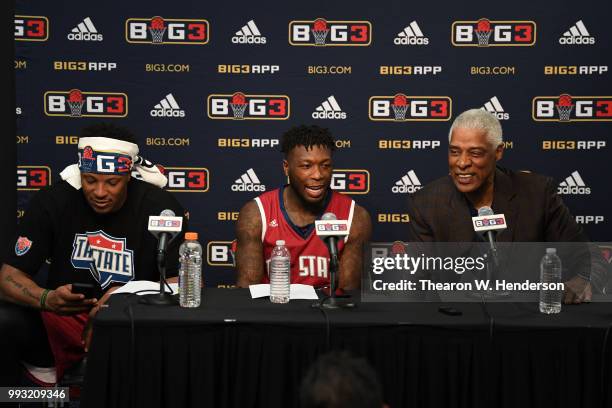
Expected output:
(237, 352)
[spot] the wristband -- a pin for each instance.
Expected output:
(43, 299)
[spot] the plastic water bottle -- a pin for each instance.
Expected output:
(190, 272)
(550, 272)
(280, 265)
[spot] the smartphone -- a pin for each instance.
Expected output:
(87, 289)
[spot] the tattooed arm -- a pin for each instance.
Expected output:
(351, 260)
(18, 287)
(249, 256)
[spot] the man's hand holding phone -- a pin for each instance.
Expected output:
(65, 301)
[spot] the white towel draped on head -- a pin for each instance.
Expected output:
(104, 155)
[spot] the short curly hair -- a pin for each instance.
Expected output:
(307, 136)
(482, 120)
(109, 130)
(340, 380)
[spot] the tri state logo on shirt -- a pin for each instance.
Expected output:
(106, 257)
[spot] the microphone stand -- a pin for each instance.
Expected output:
(162, 298)
(330, 300)
(491, 272)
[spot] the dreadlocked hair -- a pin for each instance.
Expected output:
(307, 136)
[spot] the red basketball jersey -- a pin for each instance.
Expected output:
(309, 255)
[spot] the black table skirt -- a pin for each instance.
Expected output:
(238, 352)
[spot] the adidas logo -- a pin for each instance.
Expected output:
(493, 106)
(273, 223)
(407, 184)
(168, 107)
(249, 34)
(573, 185)
(248, 182)
(329, 109)
(411, 35)
(85, 31)
(577, 34)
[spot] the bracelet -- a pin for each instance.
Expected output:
(43, 299)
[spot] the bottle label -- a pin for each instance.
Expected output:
(279, 264)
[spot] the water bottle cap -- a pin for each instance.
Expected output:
(551, 250)
(191, 235)
(280, 242)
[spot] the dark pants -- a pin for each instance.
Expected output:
(22, 337)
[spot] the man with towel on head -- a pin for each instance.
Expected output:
(92, 228)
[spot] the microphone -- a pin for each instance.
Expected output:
(489, 223)
(329, 229)
(165, 228)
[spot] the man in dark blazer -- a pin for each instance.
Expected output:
(442, 210)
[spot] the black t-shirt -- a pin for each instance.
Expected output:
(87, 247)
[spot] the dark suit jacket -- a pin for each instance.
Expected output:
(533, 210)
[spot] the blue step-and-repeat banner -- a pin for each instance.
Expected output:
(209, 87)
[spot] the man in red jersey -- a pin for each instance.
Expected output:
(289, 212)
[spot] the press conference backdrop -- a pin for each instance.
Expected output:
(209, 87)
